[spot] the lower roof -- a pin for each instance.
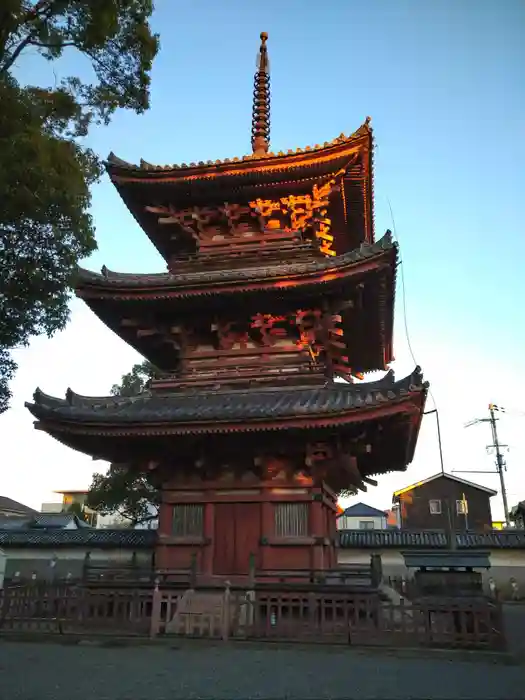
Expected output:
(85, 537)
(425, 540)
(269, 276)
(348, 539)
(230, 410)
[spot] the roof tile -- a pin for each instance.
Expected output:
(384, 539)
(84, 537)
(261, 272)
(226, 405)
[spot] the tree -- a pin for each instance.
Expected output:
(123, 490)
(78, 510)
(136, 381)
(45, 169)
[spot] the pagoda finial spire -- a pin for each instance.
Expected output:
(261, 102)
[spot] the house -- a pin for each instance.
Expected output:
(362, 517)
(444, 501)
(12, 509)
(74, 501)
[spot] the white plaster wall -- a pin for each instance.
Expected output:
(25, 560)
(505, 564)
(346, 522)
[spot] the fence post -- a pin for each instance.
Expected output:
(251, 571)
(85, 566)
(193, 571)
(226, 612)
(376, 569)
(156, 606)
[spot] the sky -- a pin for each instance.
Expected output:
(443, 83)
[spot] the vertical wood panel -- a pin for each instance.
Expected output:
(224, 544)
(291, 520)
(247, 534)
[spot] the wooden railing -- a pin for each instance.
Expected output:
(270, 612)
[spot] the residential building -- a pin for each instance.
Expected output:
(13, 509)
(75, 501)
(362, 517)
(444, 501)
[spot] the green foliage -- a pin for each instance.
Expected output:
(136, 381)
(126, 492)
(78, 510)
(45, 170)
(123, 490)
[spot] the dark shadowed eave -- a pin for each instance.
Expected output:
(114, 296)
(348, 159)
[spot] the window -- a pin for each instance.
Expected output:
(291, 519)
(435, 507)
(188, 520)
(366, 524)
(461, 507)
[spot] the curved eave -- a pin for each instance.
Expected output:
(231, 412)
(278, 277)
(300, 161)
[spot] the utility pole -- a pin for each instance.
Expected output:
(496, 447)
(500, 462)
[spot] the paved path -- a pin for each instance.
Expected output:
(31, 671)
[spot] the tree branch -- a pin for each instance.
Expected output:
(16, 53)
(43, 45)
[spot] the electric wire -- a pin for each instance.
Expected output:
(407, 334)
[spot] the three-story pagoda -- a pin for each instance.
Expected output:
(275, 289)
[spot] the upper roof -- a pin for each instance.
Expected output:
(361, 510)
(8, 504)
(250, 170)
(232, 410)
(346, 163)
(441, 475)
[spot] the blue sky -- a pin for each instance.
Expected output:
(443, 83)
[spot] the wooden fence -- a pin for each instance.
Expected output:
(312, 614)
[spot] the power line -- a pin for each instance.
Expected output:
(409, 345)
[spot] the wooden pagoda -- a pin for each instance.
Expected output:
(276, 301)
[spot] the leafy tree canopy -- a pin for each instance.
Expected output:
(126, 492)
(122, 490)
(136, 381)
(45, 170)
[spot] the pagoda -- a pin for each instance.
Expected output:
(277, 300)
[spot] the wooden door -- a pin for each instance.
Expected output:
(247, 535)
(224, 540)
(237, 533)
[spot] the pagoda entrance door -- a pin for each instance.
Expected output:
(236, 537)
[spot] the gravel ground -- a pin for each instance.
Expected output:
(32, 671)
